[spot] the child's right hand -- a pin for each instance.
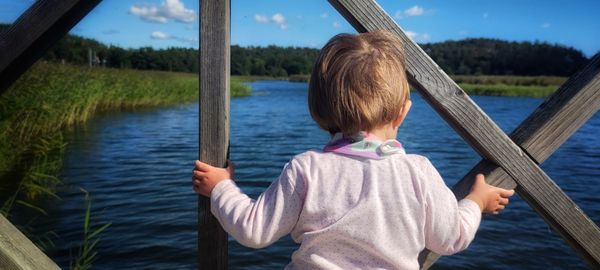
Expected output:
(490, 199)
(206, 177)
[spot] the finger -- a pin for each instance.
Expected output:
(480, 179)
(503, 201)
(199, 175)
(495, 212)
(230, 166)
(500, 207)
(506, 192)
(201, 166)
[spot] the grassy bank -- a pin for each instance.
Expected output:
(508, 90)
(48, 98)
(531, 86)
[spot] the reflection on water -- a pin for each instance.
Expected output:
(137, 166)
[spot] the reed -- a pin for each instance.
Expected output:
(508, 90)
(51, 97)
(509, 80)
(86, 253)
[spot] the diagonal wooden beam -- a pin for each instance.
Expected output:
(479, 131)
(549, 126)
(34, 32)
(214, 121)
(18, 252)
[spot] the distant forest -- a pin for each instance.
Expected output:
(463, 57)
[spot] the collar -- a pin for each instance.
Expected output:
(363, 144)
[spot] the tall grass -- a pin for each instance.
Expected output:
(508, 90)
(509, 80)
(50, 98)
(86, 254)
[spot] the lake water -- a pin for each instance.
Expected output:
(137, 168)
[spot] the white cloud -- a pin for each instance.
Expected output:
(261, 18)
(546, 25)
(463, 32)
(418, 37)
(160, 35)
(486, 15)
(278, 18)
(414, 11)
(337, 25)
(410, 12)
(168, 10)
(411, 34)
(324, 15)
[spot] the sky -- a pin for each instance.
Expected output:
(310, 23)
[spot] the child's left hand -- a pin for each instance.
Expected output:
(206, 177)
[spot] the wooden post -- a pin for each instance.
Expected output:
(479, 131)
(214, 121)
(17, 252)
(549, 126)
(34, 32)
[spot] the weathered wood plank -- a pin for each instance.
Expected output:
(479, 131)
(34, 32)
(17, 252)
(214, 121)
(549, 126)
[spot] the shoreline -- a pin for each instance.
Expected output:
(495, 85)
(50, 98)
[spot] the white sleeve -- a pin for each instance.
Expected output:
(258, 223)
(450, 226)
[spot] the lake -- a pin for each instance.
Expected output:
(137, 167)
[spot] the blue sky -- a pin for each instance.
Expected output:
(168, 23)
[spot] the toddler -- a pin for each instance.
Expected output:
(361, 202)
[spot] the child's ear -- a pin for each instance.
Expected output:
(403, 113)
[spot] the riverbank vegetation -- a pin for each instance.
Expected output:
(530, 86)
(49, 98)
(496, 85)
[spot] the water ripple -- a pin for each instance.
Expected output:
(137, 167)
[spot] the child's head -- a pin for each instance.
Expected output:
(358, 82)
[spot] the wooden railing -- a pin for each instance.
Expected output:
(17, 252)
(510, 162)
(481, 133)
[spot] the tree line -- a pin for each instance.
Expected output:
(497, 57)
(463, 57)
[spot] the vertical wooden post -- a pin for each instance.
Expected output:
(214, 121)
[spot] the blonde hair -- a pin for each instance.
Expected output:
(358, 82)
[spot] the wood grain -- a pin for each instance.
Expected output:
(549, 126)
(18, 252)
(479, 131)
(34, 32)
(214, 121)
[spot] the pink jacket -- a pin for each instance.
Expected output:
(351, 212)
